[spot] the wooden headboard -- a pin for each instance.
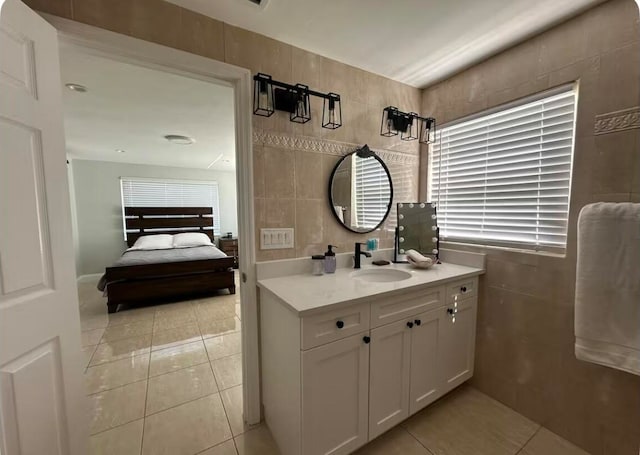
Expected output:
(167, 220)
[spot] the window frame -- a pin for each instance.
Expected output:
(528, 247)
(216, 202)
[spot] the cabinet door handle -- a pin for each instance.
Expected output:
(366, 339)
(410, 324)
(418, 321)
(340, 324)
(463, 289)
(452, 311)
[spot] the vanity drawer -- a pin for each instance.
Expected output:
(333, 325)
(405, 306)
(462, 289)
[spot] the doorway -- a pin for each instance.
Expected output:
(106, 44)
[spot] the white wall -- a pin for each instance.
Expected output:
(96, 187)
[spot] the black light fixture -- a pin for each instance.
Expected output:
(332, 112)
(389, 125)
(263, 95)
(410, 125)
(412, 128)
(301, 112)
(427, 130)
(294, 99)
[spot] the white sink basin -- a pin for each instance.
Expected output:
(381, 275)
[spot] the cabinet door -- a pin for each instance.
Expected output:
(389, 376)
(457, 345)
(425, 377)
(335, 393)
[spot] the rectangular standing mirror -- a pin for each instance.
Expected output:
(417, 229)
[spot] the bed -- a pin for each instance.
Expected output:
(147, 276)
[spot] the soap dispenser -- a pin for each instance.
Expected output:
(330, 260)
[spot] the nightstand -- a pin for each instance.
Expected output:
(230, 248)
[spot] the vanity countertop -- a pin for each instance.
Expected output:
(306, 294)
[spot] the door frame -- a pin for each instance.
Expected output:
(115, 46)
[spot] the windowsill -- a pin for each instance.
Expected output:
(512, 249)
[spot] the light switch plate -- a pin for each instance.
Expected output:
(276, 239)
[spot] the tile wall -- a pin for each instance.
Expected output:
(525, 354)
(291, 178)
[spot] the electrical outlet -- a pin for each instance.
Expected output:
(276, 239)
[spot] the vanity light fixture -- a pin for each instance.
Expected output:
(389, 125)
(301, 112)
(270, 96)
(410, 125)
(76, 87)
(427, 130)
(263, 95)
(179, 139)
(332, 112)
(412, 128)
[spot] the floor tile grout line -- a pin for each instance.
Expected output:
(415, 438)
(529, 440)
(146, 392)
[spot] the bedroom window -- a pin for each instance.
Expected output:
(503, 177)
(142, 192)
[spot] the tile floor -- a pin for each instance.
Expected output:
(167, 379)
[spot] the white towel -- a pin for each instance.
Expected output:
(607, 307)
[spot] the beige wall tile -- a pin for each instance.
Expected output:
(116, 15)
(279, 174)
(309, 227)
(60, 8)
(308, 175)
(524, 348)
(201, 35)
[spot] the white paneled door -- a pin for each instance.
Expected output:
(41, 391)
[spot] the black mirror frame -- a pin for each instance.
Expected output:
(364, 152)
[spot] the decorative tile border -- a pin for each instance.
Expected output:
(328, 147)
(612, 122)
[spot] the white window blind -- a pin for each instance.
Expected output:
(372, 191)
(504, 177)
(141, 192)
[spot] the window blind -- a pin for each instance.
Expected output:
(504, 177)
(140, 192)
(372, 192)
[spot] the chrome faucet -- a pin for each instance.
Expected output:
(358, 253)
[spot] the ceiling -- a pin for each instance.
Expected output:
(417, 42)
(132, 108)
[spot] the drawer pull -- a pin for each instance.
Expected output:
(366, 339)
(418, 321)
(410, 324)
(340, 324)
(463, 289)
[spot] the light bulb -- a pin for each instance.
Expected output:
(422, 205)
(401, 216)
(401, 228)
(410, 206)
(434, 251)
(263, 100)
(401, 239)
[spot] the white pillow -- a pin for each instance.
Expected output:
(191, 239)
(153, 242)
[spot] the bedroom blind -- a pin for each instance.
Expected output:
(505, 177)
(371, 193)
(140, 192)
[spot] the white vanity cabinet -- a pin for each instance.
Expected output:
(334, 379)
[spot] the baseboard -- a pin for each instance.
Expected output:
(89, 277)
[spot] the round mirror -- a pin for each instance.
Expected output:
(360, 191)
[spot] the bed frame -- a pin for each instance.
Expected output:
(170, 280)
